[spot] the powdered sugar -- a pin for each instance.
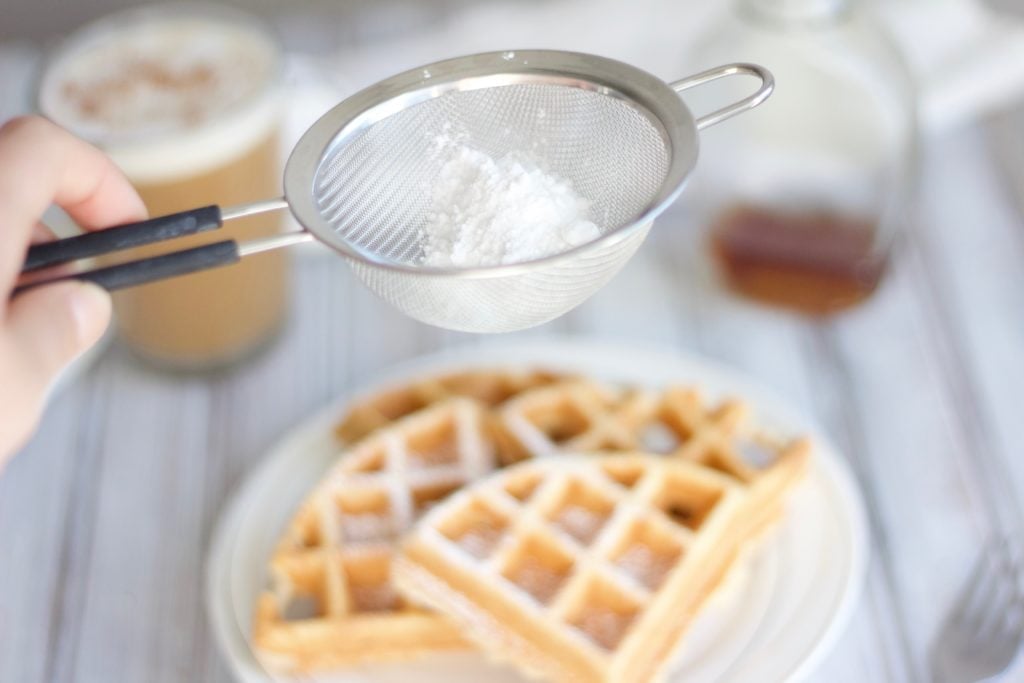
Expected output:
(538, 579)
(366, 528)
(489, 212)
(604, 626)
(580, 522)
(647, 566)
(480, 540)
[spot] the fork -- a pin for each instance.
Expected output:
(983, 632)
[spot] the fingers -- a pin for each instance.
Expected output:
(49, 326)
(40, 164)
(42, 330)
(40, 233)
(46, 328)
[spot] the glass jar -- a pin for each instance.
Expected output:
(802, 201)
(186, 99)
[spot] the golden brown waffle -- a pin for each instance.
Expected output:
(587, 569)
(581, 416)
(489, 386)
(330, 602)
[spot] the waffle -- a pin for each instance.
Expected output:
(489, 386)
(583, 568)
(582, 416)
(330, 602)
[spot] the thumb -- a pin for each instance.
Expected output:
(50, 326)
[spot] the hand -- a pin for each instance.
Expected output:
(45, 328)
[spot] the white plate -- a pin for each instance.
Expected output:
(778, 614)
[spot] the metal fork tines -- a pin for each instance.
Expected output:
(985, 628)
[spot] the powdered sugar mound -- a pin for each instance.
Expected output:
(488, 212)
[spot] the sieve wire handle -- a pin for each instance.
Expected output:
(727, 112)
(139, 271)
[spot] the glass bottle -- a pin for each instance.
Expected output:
(802, 201)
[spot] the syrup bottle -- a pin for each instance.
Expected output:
(803, 201)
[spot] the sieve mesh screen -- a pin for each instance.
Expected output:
(374, 188)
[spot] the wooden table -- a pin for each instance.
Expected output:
(105, 517)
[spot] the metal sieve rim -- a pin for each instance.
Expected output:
(647, 94)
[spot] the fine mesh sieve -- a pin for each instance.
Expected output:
(360, 180)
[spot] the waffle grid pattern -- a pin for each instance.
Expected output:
(332, 600)
(583, 416)
(490, 387)
(593, 567)
(592, 545)
(334, 567)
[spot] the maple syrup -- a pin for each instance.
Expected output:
(816, 262)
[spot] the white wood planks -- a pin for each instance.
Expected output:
(106, 516)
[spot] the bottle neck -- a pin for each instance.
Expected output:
(796, 12)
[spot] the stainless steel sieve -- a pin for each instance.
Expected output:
(360, 180)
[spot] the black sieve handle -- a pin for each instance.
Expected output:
(122, 237)
(153, 268)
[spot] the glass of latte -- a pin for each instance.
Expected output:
(186, 99)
